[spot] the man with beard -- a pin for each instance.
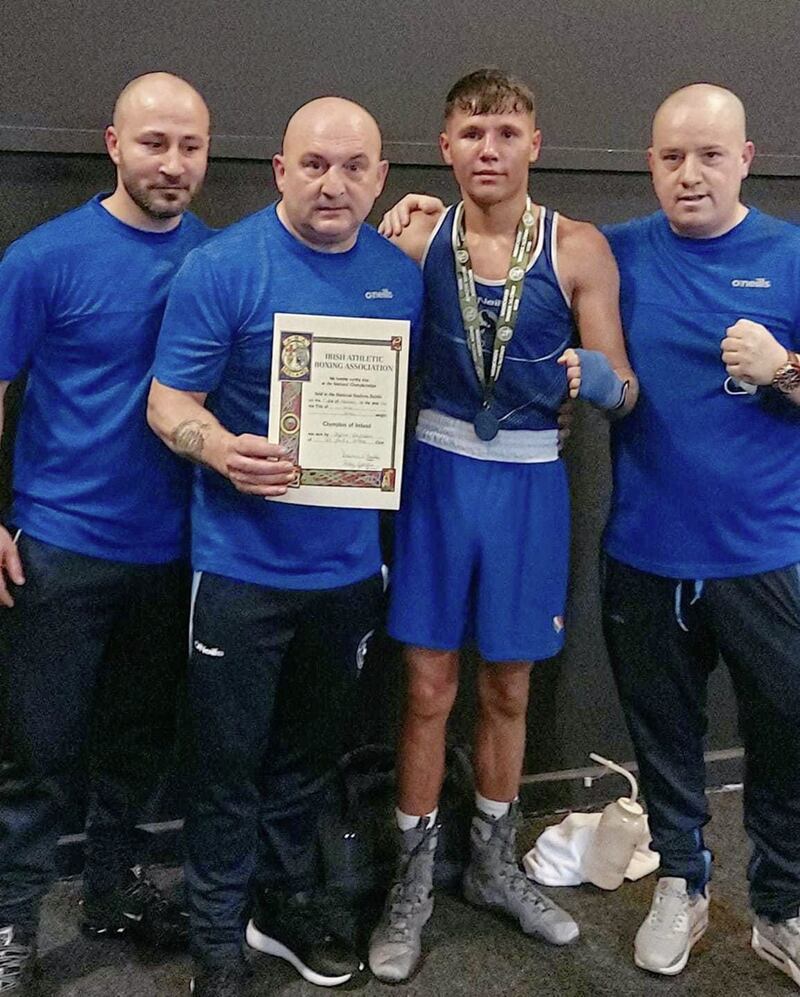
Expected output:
(93, 582)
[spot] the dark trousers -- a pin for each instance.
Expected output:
(91, 653)
(664, 638)
(272, 683)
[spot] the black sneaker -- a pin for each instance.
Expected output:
(137, 908)
(226, 980)
(17, 961)
(293, 929)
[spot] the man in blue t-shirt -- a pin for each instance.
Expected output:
(703, 540)
(93, 587)
(287, 595)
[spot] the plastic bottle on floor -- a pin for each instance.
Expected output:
(617, 836)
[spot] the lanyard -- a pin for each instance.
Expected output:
(486, 424)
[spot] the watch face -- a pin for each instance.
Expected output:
(787, 378)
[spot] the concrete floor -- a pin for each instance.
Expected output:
(469, 952)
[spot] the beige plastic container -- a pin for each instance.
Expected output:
(617, 836)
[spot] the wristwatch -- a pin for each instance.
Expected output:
(787, 377)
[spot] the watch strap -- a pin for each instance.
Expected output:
(786, 378)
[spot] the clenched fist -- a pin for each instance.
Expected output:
(751, 353)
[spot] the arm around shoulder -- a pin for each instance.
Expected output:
(410, 223)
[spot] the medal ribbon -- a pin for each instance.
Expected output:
(509, 308)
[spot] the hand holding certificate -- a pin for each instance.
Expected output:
(338, 406)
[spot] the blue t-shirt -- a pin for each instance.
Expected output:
(706, 476)
(81, 301)
(531, 385)
(217, 338)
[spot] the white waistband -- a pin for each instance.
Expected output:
(514, 446)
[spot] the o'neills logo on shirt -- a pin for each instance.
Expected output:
(752, 282)
(383, 293)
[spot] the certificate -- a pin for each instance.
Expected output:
(338, 406)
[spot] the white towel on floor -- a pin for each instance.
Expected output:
(557, 857)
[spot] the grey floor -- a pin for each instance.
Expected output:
(469, 952)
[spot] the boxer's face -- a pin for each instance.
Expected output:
(160, 149)
(698, 161)
(329, 175)
(490, 153)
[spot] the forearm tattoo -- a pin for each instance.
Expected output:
(189, 438)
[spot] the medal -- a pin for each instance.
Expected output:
(487, 425)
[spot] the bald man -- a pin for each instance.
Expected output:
(287, 595)
(703, 540)
(93, 583)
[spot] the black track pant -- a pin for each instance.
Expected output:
(272, 690)
(92, 651)
(664, 637)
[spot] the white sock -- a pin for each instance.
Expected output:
(492, 808)
(406, 821)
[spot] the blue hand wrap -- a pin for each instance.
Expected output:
(599, 384)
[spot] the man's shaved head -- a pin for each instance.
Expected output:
(331, 115)
(706, 100)
(153, 90)
(329, 172)
(698, 159)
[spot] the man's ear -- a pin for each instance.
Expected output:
(444, 148)
(536, 146)
(383, 172)
(279, 169)
(748, 154)
(111, 139)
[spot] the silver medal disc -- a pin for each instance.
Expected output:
(504, 333)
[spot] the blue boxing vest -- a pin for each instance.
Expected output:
(532, 385)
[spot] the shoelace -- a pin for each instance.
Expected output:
(405, 897)
(502, 841)
(519, 884)
(663, 913)
(403, 901)
(13, 957)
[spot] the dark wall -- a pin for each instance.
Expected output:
(600, 69)
(573, 704)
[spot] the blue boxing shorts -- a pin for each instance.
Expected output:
(481, 554)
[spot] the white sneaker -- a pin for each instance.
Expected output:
(778, 943)
(675, 922)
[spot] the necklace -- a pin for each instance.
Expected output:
(485, 422)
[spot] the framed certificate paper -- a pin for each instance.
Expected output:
(338, 405)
